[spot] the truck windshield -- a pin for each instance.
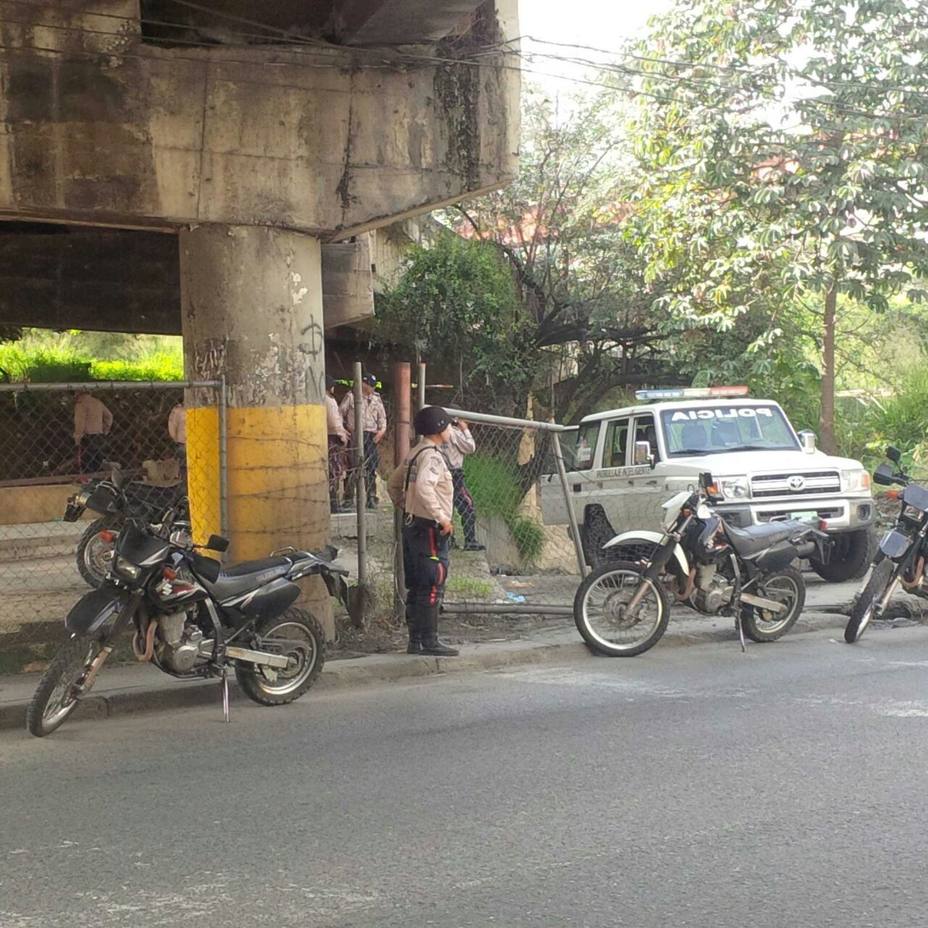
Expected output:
(717, 429)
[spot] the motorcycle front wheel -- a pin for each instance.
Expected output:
(297, 636)
(56, 696)
(602, 616)
(865, 604)
(785, 587)
(94, 552)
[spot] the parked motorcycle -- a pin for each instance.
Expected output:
(622, 608)
(192, 618)
(115, 498)
(902, 554)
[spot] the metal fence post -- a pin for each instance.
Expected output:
(421, 385)
(571, 515)
(402, 394)
(223, 460)
(360, 492)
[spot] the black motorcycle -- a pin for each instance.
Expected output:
(114, 499)
(192, 618)
(622, 608)
(901, 558)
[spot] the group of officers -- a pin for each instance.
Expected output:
(340, 422)
(427, 487)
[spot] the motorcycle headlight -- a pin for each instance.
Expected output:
(80, 499)
(734, 487)
(127, 569)
(855, 481)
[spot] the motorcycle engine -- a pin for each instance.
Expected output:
(179, 639)
(713, 591)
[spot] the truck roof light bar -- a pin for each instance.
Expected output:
(691, 393)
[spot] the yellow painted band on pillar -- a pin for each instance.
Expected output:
(203, 484)
(277, 480)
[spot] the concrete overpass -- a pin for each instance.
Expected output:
(213, 166)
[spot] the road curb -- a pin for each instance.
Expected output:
(377, 669)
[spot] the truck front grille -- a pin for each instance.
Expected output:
(813, 483)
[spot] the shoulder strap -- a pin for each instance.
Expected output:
(412, 461)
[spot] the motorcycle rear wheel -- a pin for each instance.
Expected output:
(55, 700)
(865, 605)
(299, 637)
(785, 587)
(600, 614)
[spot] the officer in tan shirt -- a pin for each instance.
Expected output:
(422, 487)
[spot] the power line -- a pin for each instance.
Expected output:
(405, 58)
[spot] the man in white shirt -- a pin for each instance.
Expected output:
(460, 442)
(92, 423)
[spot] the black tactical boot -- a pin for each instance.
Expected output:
(428, 623)
(415, 633)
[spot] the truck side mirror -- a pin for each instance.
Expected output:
(643, 454)
(807, 441)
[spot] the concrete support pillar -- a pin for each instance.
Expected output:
(251, 300)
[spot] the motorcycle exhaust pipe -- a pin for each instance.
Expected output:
(277, 661)
(769, 605)
(235, 653)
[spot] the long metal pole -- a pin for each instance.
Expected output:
(421, 385)
(107, 385)
(224, 527)
(504, 421)
(361, 481)
(471, 607)
(402, 405)
(568, 502)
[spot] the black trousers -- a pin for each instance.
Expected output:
(425, 562)
(93, 453)
(464, 504)
(371, 463)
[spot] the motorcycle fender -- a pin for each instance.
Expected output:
(654, 537)
(95, 610)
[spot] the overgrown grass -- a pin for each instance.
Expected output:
(46, 358)
(495, 488)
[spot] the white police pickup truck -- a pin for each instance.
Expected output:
(627, 462)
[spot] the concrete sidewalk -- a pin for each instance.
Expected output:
(141, 688)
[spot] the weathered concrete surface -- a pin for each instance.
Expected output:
(129, 281)
(98, 126)
(252, 313)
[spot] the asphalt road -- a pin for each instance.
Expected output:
(693, 786)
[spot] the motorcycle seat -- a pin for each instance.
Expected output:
(247, 576)
(756, 538)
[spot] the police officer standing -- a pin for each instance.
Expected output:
(422, 487)
(461, 442)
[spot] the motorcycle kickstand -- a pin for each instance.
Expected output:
(225, 696)
(740, 628)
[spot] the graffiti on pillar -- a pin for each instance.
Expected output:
(314, 340)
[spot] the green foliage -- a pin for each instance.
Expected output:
(469, 586)
(782, 156)
(494, 485)
(457, 300)
(45, 357)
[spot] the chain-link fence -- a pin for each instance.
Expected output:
(59, 439)
(512, 549)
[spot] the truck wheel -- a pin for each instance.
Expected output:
(850, 558)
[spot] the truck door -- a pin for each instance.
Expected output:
(580, 468)
(646, 490)
(608, 485)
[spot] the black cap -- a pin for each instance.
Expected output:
(431, 420)
(370, 380)
(329, 382)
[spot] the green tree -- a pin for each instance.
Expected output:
(456, 306)
(782, 149)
